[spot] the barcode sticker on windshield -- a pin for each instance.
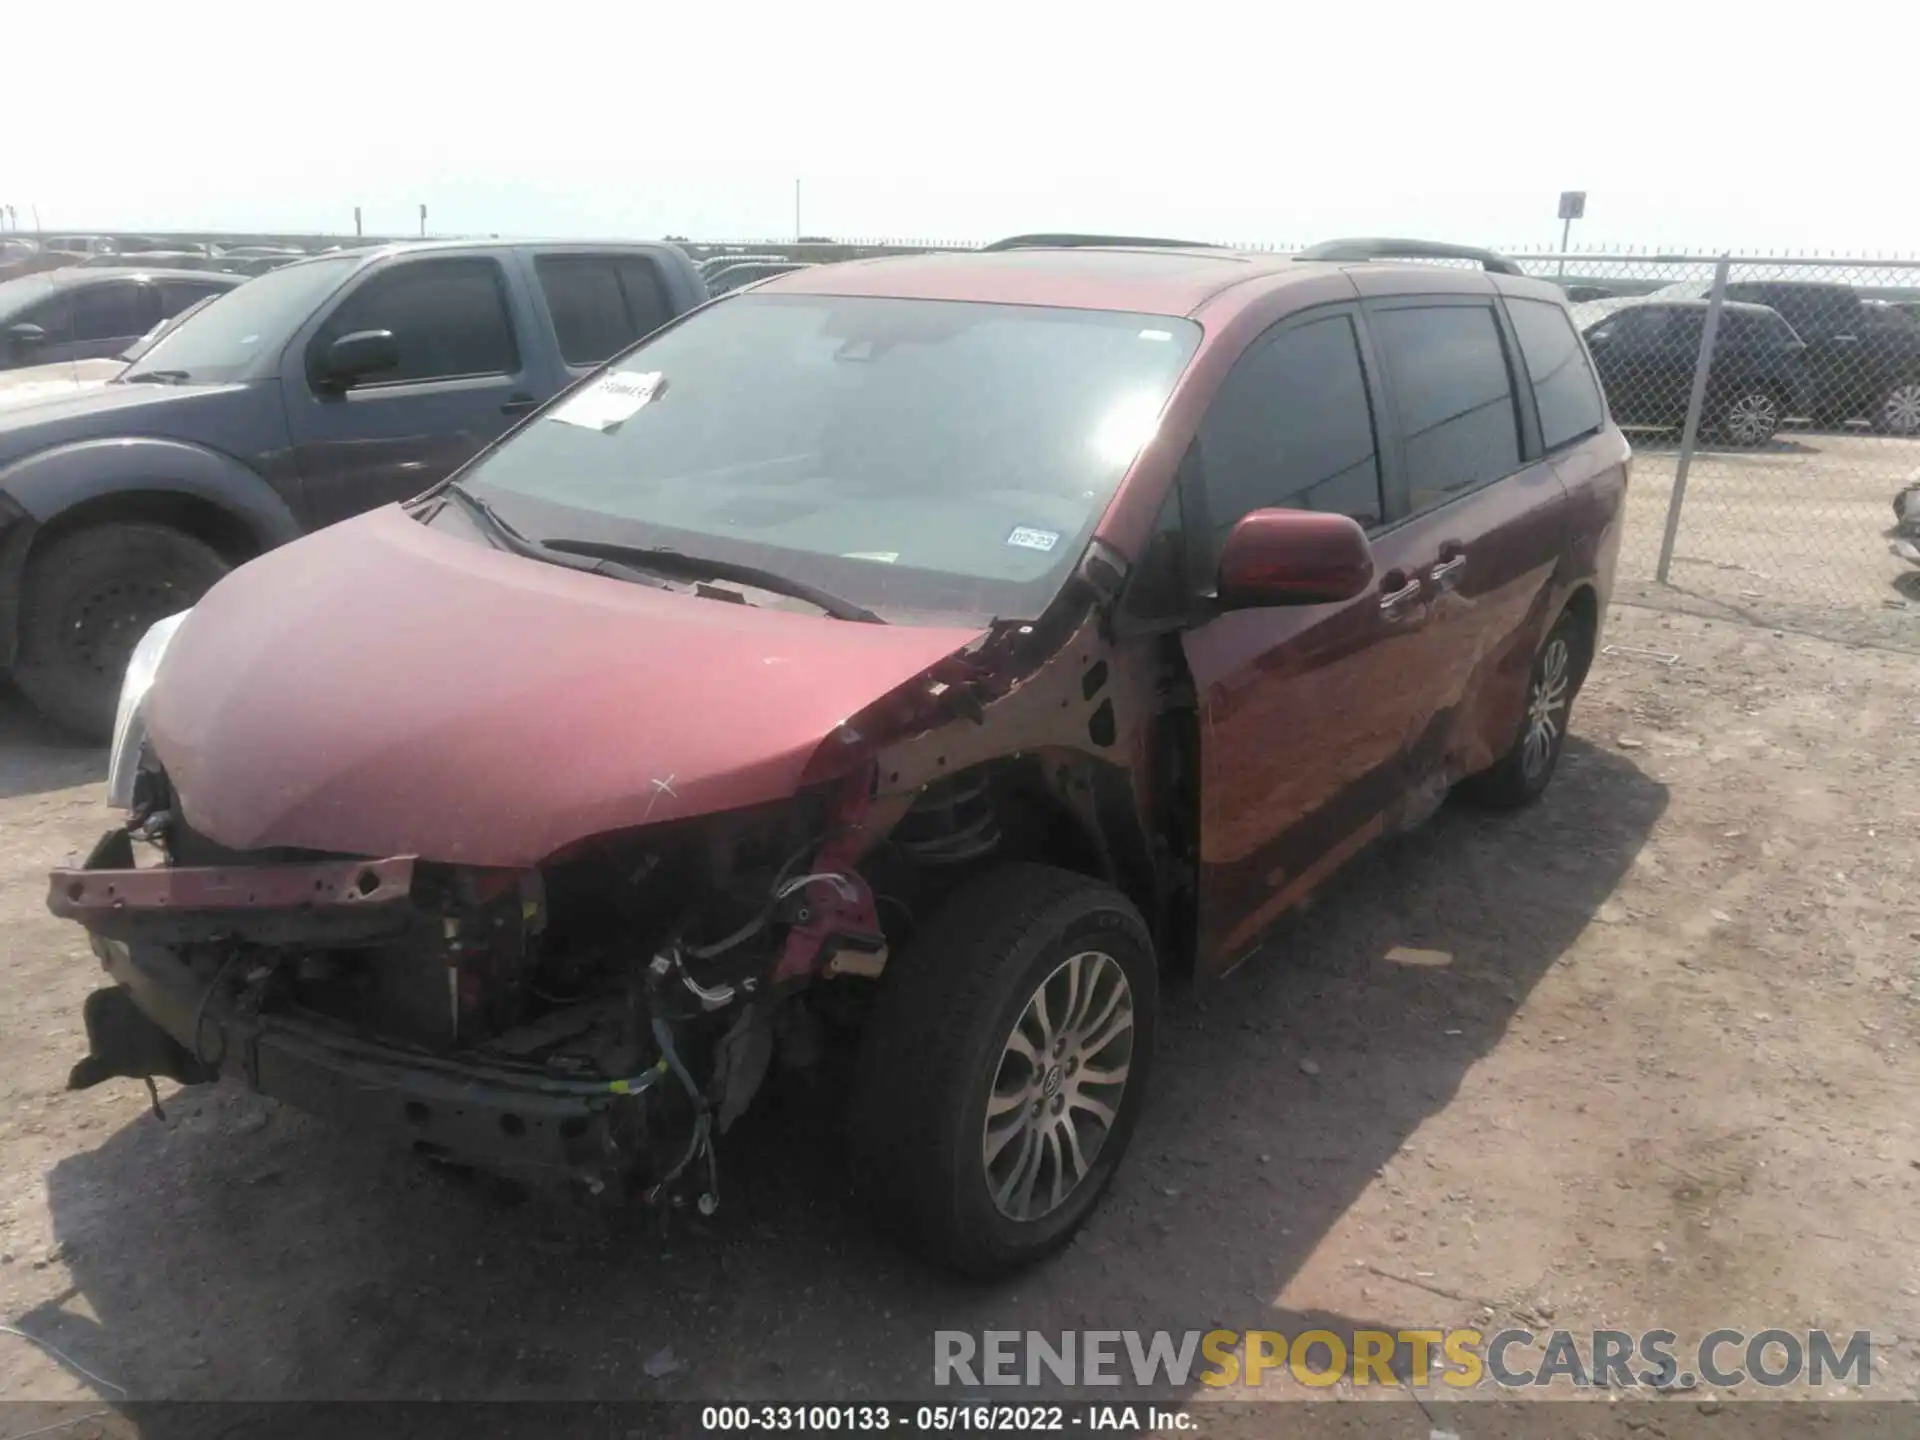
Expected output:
(609, 400)
(1027, 538)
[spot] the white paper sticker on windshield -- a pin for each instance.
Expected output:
(609, 400)
(1028, 538)
(885, 557)
(1156, 334)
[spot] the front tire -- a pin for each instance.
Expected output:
(1522, 775)
(88, 598)
(1004, 1065)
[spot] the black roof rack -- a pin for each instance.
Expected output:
(1379, 248)
(1069, 242)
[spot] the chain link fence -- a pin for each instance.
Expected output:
(1774, 408)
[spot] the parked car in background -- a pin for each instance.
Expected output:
(76, 246)
(731, 277)
(145, 245)
(715, 263)
(39, 382)
(83, 313)
(915, 657)
(1862, 360)
(1647, 351)
(168, 259)
(316, 391)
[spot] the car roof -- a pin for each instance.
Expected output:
(1591, 312)
(72, 275)
(374, 250)
(1149, 278)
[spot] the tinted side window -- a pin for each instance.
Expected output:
(177, 295)
(1563, 385)
(449, 318)
(113, 312)
(1643, 324)
(1292, 427)
(589, 312)
(646, 299)
(1455, 401)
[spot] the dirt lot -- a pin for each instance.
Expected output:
(1793, 533)
(1654, 1067)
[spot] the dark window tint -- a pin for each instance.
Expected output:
(646, 300)
(1454, 398)
(449, 318)
(600, 303)
(177, 295)
(589, 312)
(1291, 427)
(112, 312)
(1563, 385)
(1815, 309)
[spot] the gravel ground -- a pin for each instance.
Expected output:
(1642, 1056)
(1793, 534)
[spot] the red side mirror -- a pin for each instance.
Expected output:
(1293, 557)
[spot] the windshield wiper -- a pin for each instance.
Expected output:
(675, 562)
(508, 538)
(159, 377)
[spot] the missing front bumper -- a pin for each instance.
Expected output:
(177, 1020)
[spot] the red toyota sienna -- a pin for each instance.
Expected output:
(909, 659)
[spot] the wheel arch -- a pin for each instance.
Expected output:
(198, 491)
(1082, 813)
(1583, 604)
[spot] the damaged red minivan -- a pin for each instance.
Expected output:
(910, 659)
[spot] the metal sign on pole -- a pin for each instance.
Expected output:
(1573, 206)
(356, 220)
(423, 222)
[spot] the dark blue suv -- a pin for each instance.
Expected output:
(324, 388)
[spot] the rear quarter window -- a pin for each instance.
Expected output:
(1564, 387)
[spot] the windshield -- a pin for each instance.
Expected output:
(240, 334)
(937, 457)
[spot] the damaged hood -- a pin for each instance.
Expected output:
(384, 688)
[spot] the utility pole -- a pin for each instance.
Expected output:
(797, 230)
(356, 222)
(423, 222)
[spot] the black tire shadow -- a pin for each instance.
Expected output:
(240, 1251)
(36, 756)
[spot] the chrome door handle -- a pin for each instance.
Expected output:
(1392, 604)
(1446, 575)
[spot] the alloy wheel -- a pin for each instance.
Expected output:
(1057, 1089)
(1546, 707)
(1900, 412)
(1752, 419)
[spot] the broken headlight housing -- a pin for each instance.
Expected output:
(129, 720)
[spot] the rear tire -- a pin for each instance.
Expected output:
(1522, 775)
(978, 1128)
(88, 598)
(1750, 416)
(1899, 409)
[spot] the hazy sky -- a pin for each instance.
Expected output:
(1748, 126)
